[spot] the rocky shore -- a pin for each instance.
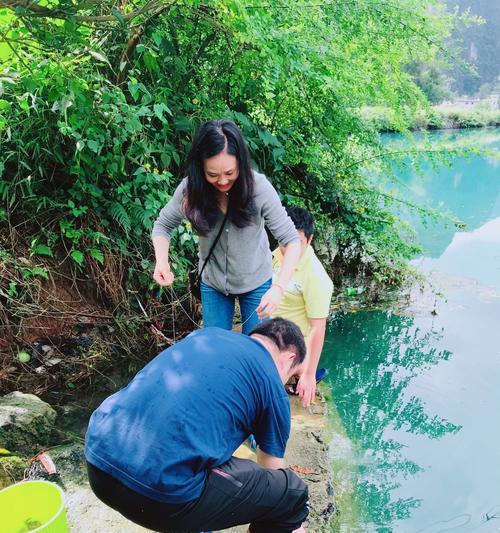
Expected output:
(307, 454)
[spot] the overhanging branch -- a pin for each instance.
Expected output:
(32, 9)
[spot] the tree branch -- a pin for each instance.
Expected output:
(35, 10)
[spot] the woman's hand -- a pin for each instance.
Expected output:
(270, 301)
(162, 274)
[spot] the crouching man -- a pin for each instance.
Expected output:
(160, 450)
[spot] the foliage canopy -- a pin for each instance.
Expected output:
(99, 100)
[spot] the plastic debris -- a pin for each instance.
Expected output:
(47, 462)
(303, 470)
(24, 357)
(353, 291)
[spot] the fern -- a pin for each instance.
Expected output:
(140, 214)
(120, 215)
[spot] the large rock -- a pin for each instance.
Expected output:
(25, 422)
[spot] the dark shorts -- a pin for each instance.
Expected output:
(237, 492)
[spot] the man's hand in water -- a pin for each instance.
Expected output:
(270, 302)
(306, 388)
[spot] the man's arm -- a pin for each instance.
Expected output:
(269, 461)
(306, 387)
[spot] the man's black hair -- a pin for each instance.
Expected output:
(302, 220)
(285, 334)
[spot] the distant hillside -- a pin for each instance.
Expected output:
(481, 46)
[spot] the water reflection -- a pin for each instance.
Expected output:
(417, 398)
(461, 256)
(373, 357)
(469, 189)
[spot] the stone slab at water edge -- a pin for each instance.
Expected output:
(26, 422)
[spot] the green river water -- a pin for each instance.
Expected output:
(415, 409)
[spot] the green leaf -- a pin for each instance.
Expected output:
(143, 111)
(159, 110)
(93, 145)
(40, 271)
(97, 254)
(4, 105)
(63, 104)
(134, 90)
(165, 159)
(133, 125)
(42, 249)
(119, 213)
(157, 38)
(151, 62)
(118, 16)
(269, 139)
(99, 56)
(77, 257)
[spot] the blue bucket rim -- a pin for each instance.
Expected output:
(40, 481)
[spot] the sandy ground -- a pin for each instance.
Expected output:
(306, 448)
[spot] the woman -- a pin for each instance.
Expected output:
(220, 182)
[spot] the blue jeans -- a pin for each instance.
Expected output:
(218, 309)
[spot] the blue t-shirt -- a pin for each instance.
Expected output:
(186, 412)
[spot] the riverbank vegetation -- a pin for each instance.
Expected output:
(384, 119)
(98, 103)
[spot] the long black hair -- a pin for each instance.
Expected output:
(201, 205)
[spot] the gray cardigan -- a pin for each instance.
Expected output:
(241, 260)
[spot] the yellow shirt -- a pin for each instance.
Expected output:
(308, 293)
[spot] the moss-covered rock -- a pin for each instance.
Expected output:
(26, 422)
(12, 470)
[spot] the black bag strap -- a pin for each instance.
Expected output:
(198, 278)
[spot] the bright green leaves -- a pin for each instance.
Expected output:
(95, 127)
(63, 104)
(157, 38)
(93, 146)
(41, 249)
(160, 110)
(77, 211)
(4, 108)
(120, 215)
(150, 59)
(4, 105)
(97, 255)
(77, 257)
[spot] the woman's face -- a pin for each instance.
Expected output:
(221, 171)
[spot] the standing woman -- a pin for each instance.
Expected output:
(220, 181)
